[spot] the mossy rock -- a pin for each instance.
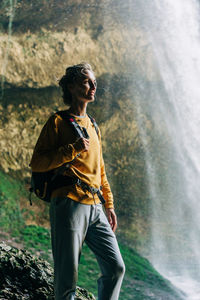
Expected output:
(26, 277)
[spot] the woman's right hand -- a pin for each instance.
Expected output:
(82, 145)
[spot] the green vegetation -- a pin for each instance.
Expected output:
(11, 218)
(37, 240)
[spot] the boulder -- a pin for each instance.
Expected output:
(23, 276)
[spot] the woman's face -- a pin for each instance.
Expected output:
(84, 88)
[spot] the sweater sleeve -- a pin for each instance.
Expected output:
(47, 155)
(107, 194)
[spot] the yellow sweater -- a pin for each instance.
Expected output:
(55, 146)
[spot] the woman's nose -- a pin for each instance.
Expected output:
(92, 85)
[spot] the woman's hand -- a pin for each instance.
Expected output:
(112, 218)
(82, 145)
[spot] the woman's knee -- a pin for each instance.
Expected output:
(119, 269)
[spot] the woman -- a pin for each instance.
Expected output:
(76, 213)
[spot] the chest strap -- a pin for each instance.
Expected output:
(61, 180)
(92, 190)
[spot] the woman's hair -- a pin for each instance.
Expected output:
(72, 73)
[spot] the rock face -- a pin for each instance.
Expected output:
(23, 276)
(36, 54)
(37, 63)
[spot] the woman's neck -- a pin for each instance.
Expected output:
(78, 109)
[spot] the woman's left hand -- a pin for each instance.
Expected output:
(112, 218)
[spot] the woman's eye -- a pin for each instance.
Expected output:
(91, 83)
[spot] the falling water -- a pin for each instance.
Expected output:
(173, 162)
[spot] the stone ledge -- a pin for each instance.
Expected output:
(26, 277)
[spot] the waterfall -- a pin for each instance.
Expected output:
(173, 162)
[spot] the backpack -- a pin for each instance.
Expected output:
(43, 183)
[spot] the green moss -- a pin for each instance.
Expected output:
(11, 218)
(36, 237)
(139, 268)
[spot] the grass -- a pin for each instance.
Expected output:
(37, 240)
(11, 218)
(88, 271)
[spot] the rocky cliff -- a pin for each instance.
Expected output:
(46, 37)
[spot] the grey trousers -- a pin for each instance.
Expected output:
(72, 223)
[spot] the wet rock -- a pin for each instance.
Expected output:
(25, 277)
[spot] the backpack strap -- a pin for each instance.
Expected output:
(80, 132)
(64, 115)
(95, 124)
